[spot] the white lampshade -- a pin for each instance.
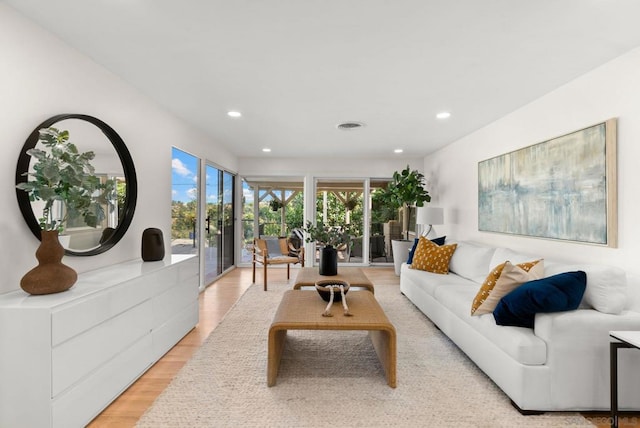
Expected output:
(429, 215)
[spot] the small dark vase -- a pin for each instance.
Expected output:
(51, 275)
(152, 245)
(328, 261)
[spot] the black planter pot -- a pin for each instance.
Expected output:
(328, 261)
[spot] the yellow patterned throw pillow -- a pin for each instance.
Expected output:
(515, 274)
(431, 257)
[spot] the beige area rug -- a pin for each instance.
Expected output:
(330, 378)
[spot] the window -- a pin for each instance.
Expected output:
(184, 202)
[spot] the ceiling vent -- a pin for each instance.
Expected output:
(347, 126)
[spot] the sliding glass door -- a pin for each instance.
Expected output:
(349, 203)
(219, 222)
(271, 208)
(340, 204)
(275, 207)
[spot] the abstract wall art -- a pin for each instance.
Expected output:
(564, 188)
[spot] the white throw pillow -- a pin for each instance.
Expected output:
(470, 261)
(606, 286)
(502, 254)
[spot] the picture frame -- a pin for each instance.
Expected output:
(564, 188)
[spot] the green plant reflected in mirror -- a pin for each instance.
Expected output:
(108, 168)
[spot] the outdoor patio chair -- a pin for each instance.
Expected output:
(262, 255)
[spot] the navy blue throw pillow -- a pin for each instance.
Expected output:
(561, 292)
(437, 241)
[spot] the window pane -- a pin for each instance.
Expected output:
(184, 202)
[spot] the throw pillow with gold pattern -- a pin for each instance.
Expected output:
(431, 257)
(491, 281)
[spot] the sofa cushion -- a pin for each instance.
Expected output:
(471, 261)
(519, 343)
(273, 246)
(431, 257)
(437, 241)
(429, 282)
(561, 292)
(501, 255)
(509, 277)
(606, 290)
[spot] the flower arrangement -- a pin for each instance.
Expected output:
(63, 174)
(327, 236)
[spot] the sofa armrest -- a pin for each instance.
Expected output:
(578, 354)
(633, 292)
(582, 328)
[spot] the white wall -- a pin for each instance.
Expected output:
(41, 77)
(612, 90)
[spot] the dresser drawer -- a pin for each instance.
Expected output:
(84, 401)
(83, 314)
(174, 329)
(174, 300)
(87, 352)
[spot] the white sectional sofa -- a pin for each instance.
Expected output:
(563, 362)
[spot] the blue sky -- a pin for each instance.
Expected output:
(184, 176)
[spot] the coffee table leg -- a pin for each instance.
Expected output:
(384, 342)
(277, 338)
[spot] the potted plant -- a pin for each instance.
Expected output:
(329, 238)
(405, 190)
(61, 175)
(350, 204)
(275, 204)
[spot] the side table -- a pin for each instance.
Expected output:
(627, 339)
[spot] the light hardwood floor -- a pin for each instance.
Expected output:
(215, 301)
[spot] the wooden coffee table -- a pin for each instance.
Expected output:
(308, 276)
(302, 310)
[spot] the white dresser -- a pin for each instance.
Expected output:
(64, 357)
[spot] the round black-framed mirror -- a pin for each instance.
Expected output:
(110, 236)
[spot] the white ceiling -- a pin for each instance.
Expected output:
(297, 68)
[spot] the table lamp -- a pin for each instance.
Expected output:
(429, 216)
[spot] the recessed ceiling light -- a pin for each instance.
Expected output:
(234, 114)
(443, 115)
(266, 150)
(398, 151)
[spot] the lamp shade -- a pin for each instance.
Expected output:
(430, 215)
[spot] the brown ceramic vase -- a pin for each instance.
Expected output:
(51, 275)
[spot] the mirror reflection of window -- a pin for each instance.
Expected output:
(80, 236)
(184, 202)
(108, 211)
